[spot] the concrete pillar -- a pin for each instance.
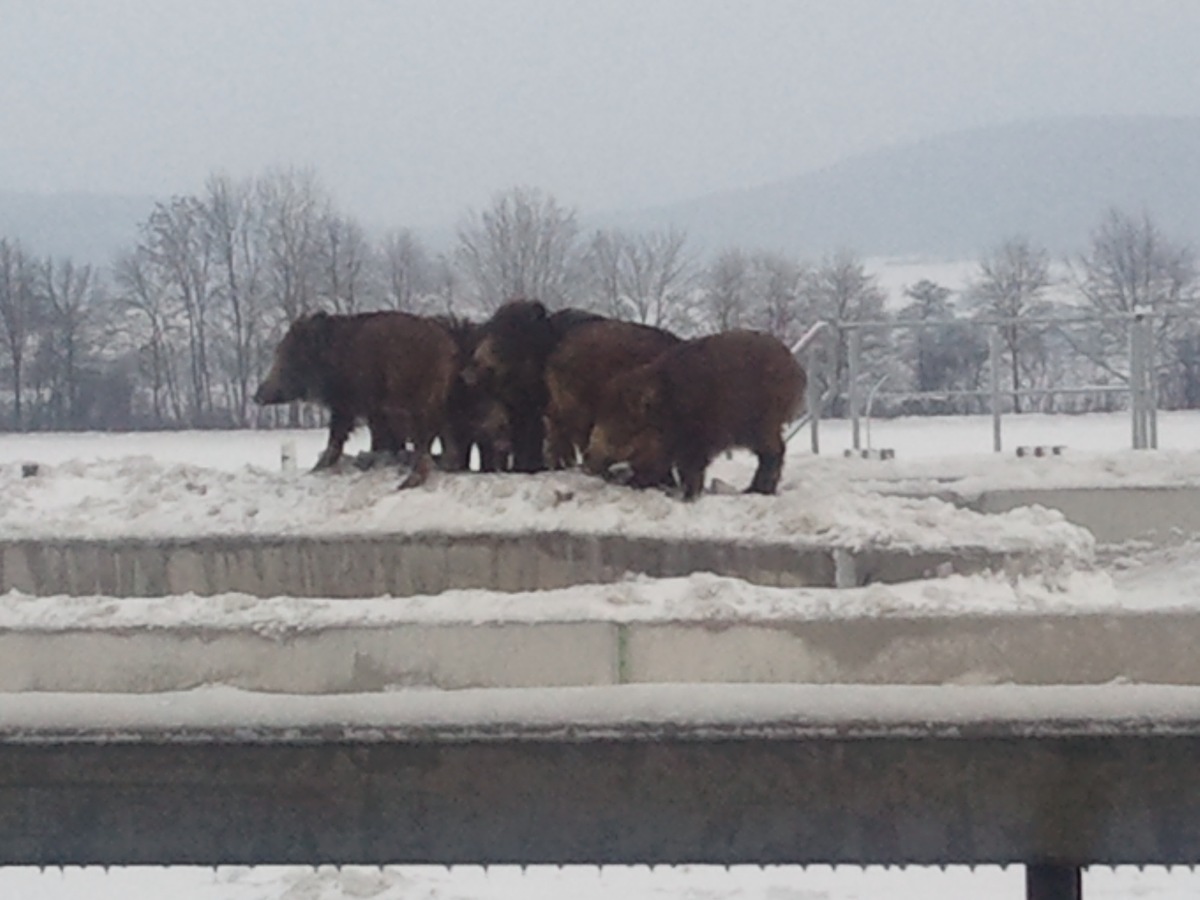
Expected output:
(1053, 882)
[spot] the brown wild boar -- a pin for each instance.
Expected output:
(510, 364)
(733, 389)
(474, 418)
(578, 372)
(392, 369)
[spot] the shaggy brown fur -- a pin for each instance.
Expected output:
(392, 369)
(510, 364)
(474, 418)
(579, 371)
(734, 389)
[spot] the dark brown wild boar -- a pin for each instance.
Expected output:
(474, 418)
(392, 369)
(578, 372)
(510, 364)
(734, 389)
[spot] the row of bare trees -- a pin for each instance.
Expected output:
(1055, 324)
(177, 330)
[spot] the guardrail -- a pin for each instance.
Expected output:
(1052, 778)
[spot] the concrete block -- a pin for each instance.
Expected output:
(325, 661)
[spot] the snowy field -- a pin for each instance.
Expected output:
(203, 483)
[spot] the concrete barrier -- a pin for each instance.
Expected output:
(369, 566)
(1113, 515)
(1150, 647)
(669, 774)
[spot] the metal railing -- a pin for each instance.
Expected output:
(814, 399)
(1139, 385)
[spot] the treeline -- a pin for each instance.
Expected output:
(176, 331)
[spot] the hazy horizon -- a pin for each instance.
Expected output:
(418, 111)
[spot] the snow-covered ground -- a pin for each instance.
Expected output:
(204, 483)
(578, 883)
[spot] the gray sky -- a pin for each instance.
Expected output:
(412, 112)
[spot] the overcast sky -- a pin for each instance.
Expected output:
(412, 112)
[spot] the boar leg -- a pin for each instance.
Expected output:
(691, 467)
(419, 474)
(528, 437)
(340, 426)
(456, 450)
(488, 457)
(383, 437)
(422, 464)
(560, 449)
(766, 476)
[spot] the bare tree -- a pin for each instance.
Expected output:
(645, 277)
(18, 316)
(292, 204)
(944, 353)
(523, 245)
(840, 290)
(408, 274)
(1011, 284)
(1131, 267)
(727, 290)
(145, 316)
(602, 263)
(69, 291)
(236, 240)
(346, 264)
(776, 302)
(179, 244)
(659, 278)
(447, 293)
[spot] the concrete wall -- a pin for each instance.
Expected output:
(916, 797)
(1113, 515)
(1026, 649)
(370, 566)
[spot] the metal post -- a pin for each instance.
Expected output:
(994, 366)
(854, 341)
(812, 400)
(1049, 882)
(1151, 388)
(1137, 365)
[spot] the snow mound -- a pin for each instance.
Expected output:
(146, 497)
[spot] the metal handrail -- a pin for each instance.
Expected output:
(1140, 386)
(814, 401)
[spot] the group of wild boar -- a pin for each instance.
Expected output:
(531, 389)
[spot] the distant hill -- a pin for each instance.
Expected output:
(86, 227)
(948, 197)
(957, 195)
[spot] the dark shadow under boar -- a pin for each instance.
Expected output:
(734, 389)
(392, 369)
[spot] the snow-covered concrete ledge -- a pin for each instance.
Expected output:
(429, 562)
(583, 714)
(1114, 515)
(965, 630)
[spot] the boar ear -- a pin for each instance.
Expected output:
(318, 332)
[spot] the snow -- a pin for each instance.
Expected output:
(581, 714)
(577, 883)
(698, 597)
(821, 502)
(161, 485)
